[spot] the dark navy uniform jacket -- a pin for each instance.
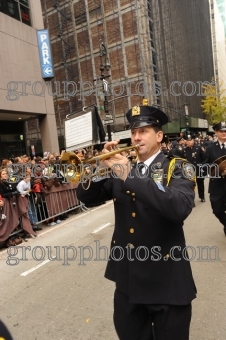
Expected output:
(217, 184)
(149, 216)
(195, 155)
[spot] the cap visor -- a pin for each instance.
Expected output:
(137, 125)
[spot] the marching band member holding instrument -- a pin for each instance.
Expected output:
(216, 153)
(154, 283)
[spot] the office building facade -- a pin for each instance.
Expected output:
(27, 117)
(149, 45)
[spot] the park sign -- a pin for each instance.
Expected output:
(45, 54)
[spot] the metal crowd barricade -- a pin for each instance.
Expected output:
(45, 206)
(56, 201)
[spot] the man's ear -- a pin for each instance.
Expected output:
(159, 136)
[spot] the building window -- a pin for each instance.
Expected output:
(17, 9)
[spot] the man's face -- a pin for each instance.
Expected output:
(221, 135)
(25, 160)
(190, 143)
(148, 141)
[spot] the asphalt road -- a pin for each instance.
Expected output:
(44, 296)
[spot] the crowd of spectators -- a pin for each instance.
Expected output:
(21, 187)
(18, 181)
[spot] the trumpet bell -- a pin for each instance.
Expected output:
(71, 160)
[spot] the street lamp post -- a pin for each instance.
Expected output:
(186, 117)
(105, 66)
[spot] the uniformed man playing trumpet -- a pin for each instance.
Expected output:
(148, 261)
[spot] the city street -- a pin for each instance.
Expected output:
(64, 299)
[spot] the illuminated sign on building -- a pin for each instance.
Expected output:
(45, 54)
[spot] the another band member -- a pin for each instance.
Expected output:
(217, 184)
(195, 155)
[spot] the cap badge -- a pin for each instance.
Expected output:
(223, 124)
(136, 110)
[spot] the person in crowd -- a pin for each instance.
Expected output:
(217, 183)
(154, 283)
(18, 212)
(208, 140)
(17, 160)
(45, 162)
(164, 149)
(7, 188)
(195, 155)
(202, 143)
(25, 159)
(24, 188)
(181, 141)
(6, 163)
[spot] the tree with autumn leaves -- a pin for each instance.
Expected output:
(214, 103)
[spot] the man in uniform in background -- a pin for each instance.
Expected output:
(154, 283)
(195, 155)
(181, 141)
(177, 149)
(217, 184)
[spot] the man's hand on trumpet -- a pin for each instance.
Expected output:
(110, 146)
(118, 163)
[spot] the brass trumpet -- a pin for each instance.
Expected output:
(69, 161)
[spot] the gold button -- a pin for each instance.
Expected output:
(131, 230)
(134, 214)
(114, 199)
(133, 194)
(114, 241)
(128, 192)
(134, 199)
(166, 257)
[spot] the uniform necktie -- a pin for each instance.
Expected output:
(141, 166)
(223, 146)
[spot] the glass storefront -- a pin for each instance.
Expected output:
(12, 148)
(12, 139)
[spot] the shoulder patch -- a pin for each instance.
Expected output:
(189, 171)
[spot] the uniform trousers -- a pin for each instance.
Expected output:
(218, 204)
(150, 322)
(200, 185)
